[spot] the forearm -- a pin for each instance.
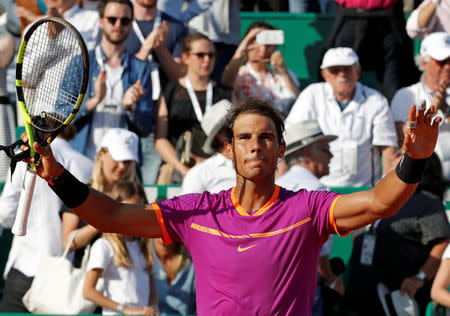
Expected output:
(232, 69)
(426, 14)
(169, 65)
(83, 237)
(169, 154)
(439, 292)
(289, 83)
(431, 265)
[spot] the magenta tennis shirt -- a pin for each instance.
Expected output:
(264, 263)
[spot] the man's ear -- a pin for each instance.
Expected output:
(282, 150)
(229, 150)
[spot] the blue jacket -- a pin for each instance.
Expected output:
(141, 121)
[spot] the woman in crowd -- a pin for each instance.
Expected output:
(115, 161)
(185, 101)
(125, 263)
(277, 84)
(441, 283)
(175, 279)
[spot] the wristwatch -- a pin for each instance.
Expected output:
(421, 275)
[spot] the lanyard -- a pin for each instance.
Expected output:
(137, 30)
(194, 100)
(110, 85)
(99, 57)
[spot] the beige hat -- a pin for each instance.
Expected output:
(339, 56)
(436, 45)
(302, 134)
(396, 304)
(122, 144)
(213, 120)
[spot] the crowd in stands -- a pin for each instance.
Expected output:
(163, 76)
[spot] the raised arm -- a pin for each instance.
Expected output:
(95, 208)
(358, 209)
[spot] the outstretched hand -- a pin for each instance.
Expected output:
(422, 132)
(48, 168)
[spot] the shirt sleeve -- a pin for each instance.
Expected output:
(101, 255)
(384, 133)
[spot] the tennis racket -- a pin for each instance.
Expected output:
(52, 75)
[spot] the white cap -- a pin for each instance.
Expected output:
(436, 45)
(397, 304)
(213, 120)
(339, 56)
(122, 144)
(302, 134)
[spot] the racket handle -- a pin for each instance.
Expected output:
(20, 224)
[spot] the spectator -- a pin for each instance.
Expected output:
(43, 236)
(359, 115)
(119, 91)
(125, 263)
(376, 32)
(185, 101)
(115, 161)
(255, 79)
(431, 16)
(433, 87)
(175, 279)
(403, 251)
(215, 173)
(221, 23)
(7, 119)
(308, 155)
(86, 21)
(157, 37)
(439, 290)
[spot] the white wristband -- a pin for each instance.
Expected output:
(436, 3)
(120, 307)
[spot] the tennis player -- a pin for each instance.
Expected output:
(255, 247)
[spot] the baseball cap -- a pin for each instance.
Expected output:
(213, 120)
(436, 45)
(302, 134)
(339, 56)
(122, 144)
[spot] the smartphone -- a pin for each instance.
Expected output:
(270, 37)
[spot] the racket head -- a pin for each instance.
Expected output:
(52, 74)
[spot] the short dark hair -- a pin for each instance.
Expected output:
(102, 4)
(255, 106)
(259, 24)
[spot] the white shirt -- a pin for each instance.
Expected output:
(43, 236)
(402, 101)
(298, 177)
(439, 22)
(365, 123)
(214, 175)
(129, 286)
(86, 22)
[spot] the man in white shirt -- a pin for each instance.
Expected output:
(434, 88)
(217, 172)
(308, 155)
(43, 236)
(359, 115)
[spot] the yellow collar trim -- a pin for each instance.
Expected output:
(266, 206)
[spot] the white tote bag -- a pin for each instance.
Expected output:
(58, 286)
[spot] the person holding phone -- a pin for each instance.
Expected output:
(255, 78)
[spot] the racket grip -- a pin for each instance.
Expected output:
(20, 224)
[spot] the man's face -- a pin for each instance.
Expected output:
(116, 22)
(342, 78)
(320, 156)
(437, 71)
(255, 148)
(146, 3)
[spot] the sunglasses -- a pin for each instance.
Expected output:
(203, 55)
(123, 21)
(442, 63)
(337, 69)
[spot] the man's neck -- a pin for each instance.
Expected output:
(113, 52)
(253, 195)
(143, 13)
(345, 97)
(432, 84)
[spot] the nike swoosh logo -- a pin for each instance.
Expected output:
(246, 248)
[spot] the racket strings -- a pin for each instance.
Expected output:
(51, 74)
